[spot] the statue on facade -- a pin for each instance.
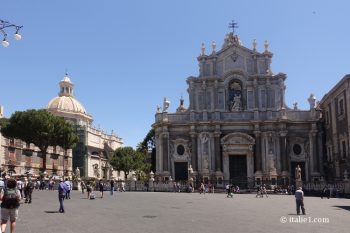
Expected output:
(158, 109)
(236, 103)
(166, 104)
(77, 172)
(205, 163)
(298, 173)
(312, 101)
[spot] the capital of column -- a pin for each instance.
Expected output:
(313, 133)
(217, 134)
(193, 134)
(283, 133)
(257, 133)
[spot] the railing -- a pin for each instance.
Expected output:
(295, 115)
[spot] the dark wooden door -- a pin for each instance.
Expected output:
(181, 172)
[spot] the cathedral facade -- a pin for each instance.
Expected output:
(237, 127)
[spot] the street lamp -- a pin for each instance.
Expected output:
(6, 24)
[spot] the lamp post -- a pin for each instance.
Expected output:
(6, 24)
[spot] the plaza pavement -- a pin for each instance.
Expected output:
(142, 212)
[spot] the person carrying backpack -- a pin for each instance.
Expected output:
(10, 197)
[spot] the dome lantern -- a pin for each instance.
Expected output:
(66, 86)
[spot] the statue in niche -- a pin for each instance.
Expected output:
(205, 163)
(236, 103)
(298, 173)
(272, 167)
(235, 96)
(204, 140)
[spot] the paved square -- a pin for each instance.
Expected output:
(142, 212)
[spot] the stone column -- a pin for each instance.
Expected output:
(216, 95)
(256, 93)
(258, 160)
(194, 157)
(218, 162)
(313, 151)
(165, 151)
(159, 154)
(283, 153)
(320, 153)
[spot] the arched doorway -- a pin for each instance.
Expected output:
(238, 160)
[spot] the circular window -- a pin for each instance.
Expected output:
(180, 149)
(297, 149)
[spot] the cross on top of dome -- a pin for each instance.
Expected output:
(66, 78)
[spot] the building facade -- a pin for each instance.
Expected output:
(335, 107)
(237, 126)
(18, 158)
(90, 155)
(95, 146)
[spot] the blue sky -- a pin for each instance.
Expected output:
(124, 57)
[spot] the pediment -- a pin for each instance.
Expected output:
(238, 139)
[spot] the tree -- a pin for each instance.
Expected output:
(122, 160)
(42, 129)
(149, 144)
(127, 159)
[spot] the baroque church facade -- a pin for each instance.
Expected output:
(237, 127)
(90, 155)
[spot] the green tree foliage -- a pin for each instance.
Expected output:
(3, 122)
(146, 146)
(122, 160)
(148, 142)
(42, 129)
(127, 159)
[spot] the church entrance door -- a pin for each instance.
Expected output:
(181, 171)
(238, 170)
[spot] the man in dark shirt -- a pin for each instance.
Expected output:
(101, 187)
(112, 186)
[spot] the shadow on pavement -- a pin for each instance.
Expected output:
(51, 212)
(343, 207)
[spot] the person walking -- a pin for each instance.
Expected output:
(83, 187)
(28, 190)
(2, 184)
(264, 191)
(112, 186)
(69, 188)
(101, 187)
(10, 197)
(88, 189)
(62, 191)
(299, 199)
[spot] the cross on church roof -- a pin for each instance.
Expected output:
(233, 25)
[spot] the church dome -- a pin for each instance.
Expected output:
(66, 105)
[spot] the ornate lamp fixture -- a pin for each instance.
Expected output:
(6, 24)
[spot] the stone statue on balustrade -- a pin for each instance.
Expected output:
(77, 172)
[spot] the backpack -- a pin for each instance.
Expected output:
(10, 199)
